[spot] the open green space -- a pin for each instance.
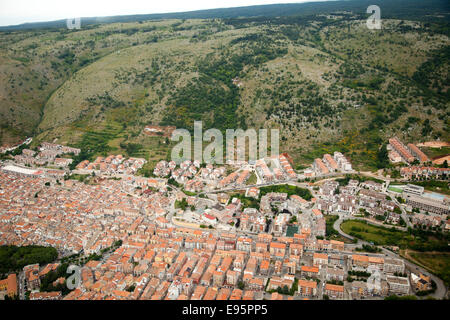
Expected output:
(252, 180)
(436, 262)
(13, 258)
(415, 239)
(291, 230)
(331, 233)
(290, 190)
(247, 202)
(436, 152)
(395, 189)
(318, 77)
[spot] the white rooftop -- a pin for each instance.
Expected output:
(12, 168)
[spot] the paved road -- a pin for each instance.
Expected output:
(404, 214)
(21, 278)
(378, 223)
(337, 227)
(441, 289)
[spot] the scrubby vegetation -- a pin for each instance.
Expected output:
(319, 78)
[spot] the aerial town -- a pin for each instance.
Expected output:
(247, 231)
(237, 155)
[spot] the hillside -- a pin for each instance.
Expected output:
(430, 11)
(326, 81)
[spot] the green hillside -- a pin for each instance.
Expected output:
(325, 80)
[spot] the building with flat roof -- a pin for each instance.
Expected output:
(421, 282)
(413, 189)
(398, 285)
(393, 265)
(427, 204)
(342, 161)
(20, 171)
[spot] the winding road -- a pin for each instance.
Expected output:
(441, 290)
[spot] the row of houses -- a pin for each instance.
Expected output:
(399, 152)
(416, 172)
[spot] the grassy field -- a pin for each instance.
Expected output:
(252, 180)
(394, 189)
(375, 234)
(436, 262)
(415, 239)
(362, 149)
(246, 202)
(436, 152)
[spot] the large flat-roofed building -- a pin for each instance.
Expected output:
(394, 265)
(398, 285)
(413, 189)
(427, 204)
(394, 157)
(421, 282)
(20, 171)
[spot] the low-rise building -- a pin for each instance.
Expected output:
(55, 295)
(334, 291)
(393, 265)
(307, 288)
(421, 282)
(358, 289)
(398, 285)
(9, 285)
